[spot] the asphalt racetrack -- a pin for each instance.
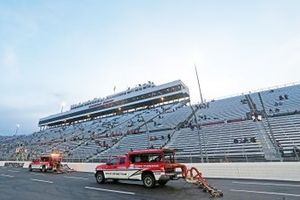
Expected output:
(20, 184)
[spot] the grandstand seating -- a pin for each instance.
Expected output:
(222, 110)
(219, 130)
(216, 142)
(286, 130)
(279, 101)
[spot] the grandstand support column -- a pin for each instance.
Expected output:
(198, 133)
(269, 127)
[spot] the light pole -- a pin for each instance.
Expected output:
(63, 104)
(198, 132)
(17, 128)
(200, 92)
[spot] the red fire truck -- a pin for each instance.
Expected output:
(46, 163)
(153, 166)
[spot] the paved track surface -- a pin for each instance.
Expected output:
(18, 183)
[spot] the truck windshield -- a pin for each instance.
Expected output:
(113, 161)
(45, 159)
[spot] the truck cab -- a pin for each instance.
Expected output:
(150, 166)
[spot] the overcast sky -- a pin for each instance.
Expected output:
(54, 51)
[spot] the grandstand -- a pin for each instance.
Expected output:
(143, 95)
(258, 126)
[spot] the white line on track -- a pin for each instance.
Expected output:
(43, 181)
(264, 192)
(15, 171)
(77, 177)
(270, 184)
(107, 190)
(6, 175)
(37, 174)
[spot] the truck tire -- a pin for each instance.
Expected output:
(115, 180)
(162, 182)
(44, 168)
(148, 180)
(30, 168)
(100, 177)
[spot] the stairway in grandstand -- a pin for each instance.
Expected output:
(270, 150)
(250, 103)
(271, 153)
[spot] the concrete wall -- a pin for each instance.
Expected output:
(26, 163)
(289, 171)
(83, 167)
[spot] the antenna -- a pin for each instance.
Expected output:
(201, 98)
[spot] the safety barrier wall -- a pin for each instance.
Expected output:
(26, 163)
(83, 167)
(289, 171)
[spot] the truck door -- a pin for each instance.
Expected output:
(123, 171)
(111, 168)
(117, 169)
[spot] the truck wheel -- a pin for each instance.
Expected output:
(116, 181)
(149, 180)
(44, 168)
(30, 168)
(162, 182)
(100, 177)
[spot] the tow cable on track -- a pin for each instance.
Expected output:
(194, 176)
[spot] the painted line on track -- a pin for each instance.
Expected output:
(264, 192)
(76, 177)
(266, 184)
(39, 180)
(37, 174)
(6, 175)
(15, 171)
(107, 190)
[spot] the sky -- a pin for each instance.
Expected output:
(71, 51)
